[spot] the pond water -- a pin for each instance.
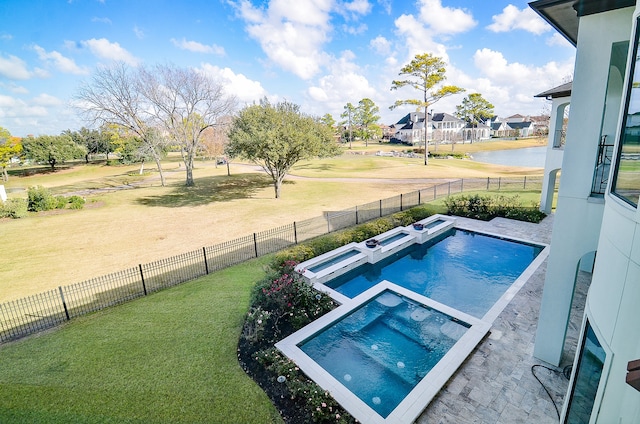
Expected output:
(533, 157)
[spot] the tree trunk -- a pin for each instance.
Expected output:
(187, 157)
(5, 174)
(159, 165)
(277, 185)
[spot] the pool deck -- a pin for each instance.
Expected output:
(495, 384)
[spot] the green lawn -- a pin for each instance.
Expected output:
(166, 358)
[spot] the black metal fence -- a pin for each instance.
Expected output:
(35, 313)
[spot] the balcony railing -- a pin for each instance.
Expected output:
(603, 164)
(558, 141)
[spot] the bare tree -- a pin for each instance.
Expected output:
(113, 97)
(185, 102)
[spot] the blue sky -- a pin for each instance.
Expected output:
(319, 54)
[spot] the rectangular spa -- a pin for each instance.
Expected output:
(386, 355)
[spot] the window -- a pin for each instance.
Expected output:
(586, 380)
(626, 180)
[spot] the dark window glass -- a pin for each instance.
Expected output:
(626, 183)
(585, 385)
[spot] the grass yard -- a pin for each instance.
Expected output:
(123, 228)
(166, 358)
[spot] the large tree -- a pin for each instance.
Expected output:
(474, 109)
(9, 147)
(185, 102)
(114, 97)
(425, 73)
(95, 141)
(349, 115)
(52, 149)
(366, 119)
(277, 136)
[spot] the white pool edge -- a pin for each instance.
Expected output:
(422, 394)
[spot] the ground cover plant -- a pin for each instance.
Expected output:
(170, 357)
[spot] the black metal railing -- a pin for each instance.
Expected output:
(19, 318)
(602, 167)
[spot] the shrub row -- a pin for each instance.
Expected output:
(38, 199)
(317, 246)
(488, 207)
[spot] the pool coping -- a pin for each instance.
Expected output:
(422, 394)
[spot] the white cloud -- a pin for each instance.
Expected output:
(291, 32)
(6, 37)
(511, 86)
(14, 68)
(380, 45)
(354, 9)
(513, 18)
(558, 40)
(445, 20)
(104, 49)
(344, 83)
(14, 88)
(417, 38)
(196, 47)
(60, 62)
(102, 20)
(238, 85)
(46, 100)
(354, 30)
(138, 32)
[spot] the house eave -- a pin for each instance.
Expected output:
(564, 15)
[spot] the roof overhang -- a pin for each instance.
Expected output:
(564, 15)
(563, 90)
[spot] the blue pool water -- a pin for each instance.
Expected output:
(332, 261)
(393, 238)
(381, 350)
(462, 269)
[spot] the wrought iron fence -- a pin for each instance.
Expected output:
(39, 312)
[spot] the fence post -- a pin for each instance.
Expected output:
(64, 303)
(488, 179)
(255, 243)
(462, 185)
(434, 192)
(400, 202)
(328, 223)
(206, 265)
(419, 202)
(380, 207)
(144, 286)
(449, 193)
(295, 232)
(499, 182)
(356, 214)
(525, 183)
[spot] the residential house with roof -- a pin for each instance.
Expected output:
(410, 129)
(447, 128)
(597, 219)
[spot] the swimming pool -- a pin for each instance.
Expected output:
(409, 316)
(466, 270)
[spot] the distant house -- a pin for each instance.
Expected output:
(447, 127)
(513, 126)
(410, 129)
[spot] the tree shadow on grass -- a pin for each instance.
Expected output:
(208, 190)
